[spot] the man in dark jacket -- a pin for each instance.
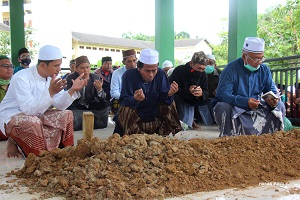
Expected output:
(192, 87)
(92, 96)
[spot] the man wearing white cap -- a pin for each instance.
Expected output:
(167, 65)
(26, 114)
(240, 109)
(147, 99)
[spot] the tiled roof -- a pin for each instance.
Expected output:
(124, 42)
(4, 27)
(188, 42)
(111, 41)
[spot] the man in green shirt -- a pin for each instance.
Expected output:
(6, 72)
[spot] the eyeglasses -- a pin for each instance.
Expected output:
(257, 60)
(6, 66)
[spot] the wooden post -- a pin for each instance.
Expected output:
(88, 125)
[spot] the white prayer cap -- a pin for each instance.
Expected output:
(289, 89)
(49, 52)
(149, 56)
(170, 71)
(254, 45)
(210, 56)
(167, 63)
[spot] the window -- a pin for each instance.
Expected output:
(5, 3)
(81, 47)
(113, 50)
(6, 21)
(88, 47)
(101, 49)
(94, 48)
(118, 50)
(106, 49)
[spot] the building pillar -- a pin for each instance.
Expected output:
(164, 30)
(242, 23)
(17, 33)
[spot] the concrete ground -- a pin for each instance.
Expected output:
(266, 191)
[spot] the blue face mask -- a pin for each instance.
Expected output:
(250, 68)
(209, 69)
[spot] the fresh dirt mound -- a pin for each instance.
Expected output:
(151, 166)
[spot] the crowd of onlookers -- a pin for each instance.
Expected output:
(40, 110)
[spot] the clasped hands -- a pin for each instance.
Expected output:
(196, 90)
(140, 96)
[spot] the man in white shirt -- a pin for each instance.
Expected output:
(129, 61)
(26, 112)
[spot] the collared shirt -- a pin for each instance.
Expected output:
(237, 84)
(155, 92)
(116, 82)
(19, 68)
(28, 93)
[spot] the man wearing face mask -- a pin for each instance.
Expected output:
(240, 109)
(213, 74)
(24, 59)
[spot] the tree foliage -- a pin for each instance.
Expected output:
(182, 35)
(5, 42)
(139, 36)
(279, 27)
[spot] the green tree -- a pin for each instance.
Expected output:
(139, 36)
(279, 27)
(182, 35)
(5, 42)
(221, 51)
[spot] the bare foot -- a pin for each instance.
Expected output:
(196, 127)
(12, 149)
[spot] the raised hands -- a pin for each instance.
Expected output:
(56, 85)
(98, 84)
(173, 88)
(139, 95)
(78, 84)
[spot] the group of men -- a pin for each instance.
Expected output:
(33, 112)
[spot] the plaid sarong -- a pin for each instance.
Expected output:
(33, 134)
(167, 122)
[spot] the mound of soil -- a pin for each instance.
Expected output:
(151, 166)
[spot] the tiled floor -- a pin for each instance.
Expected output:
(266, 192)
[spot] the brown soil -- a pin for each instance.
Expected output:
(150, 166)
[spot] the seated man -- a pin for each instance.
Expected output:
(25, 112)
(205, 112)
(92, 96)
(72, 69)
(24, 59)
(147, 99)
(167, 65)
(192, 87)
(105, 72)
(6, 72)
(240, 109)
(129, 61)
